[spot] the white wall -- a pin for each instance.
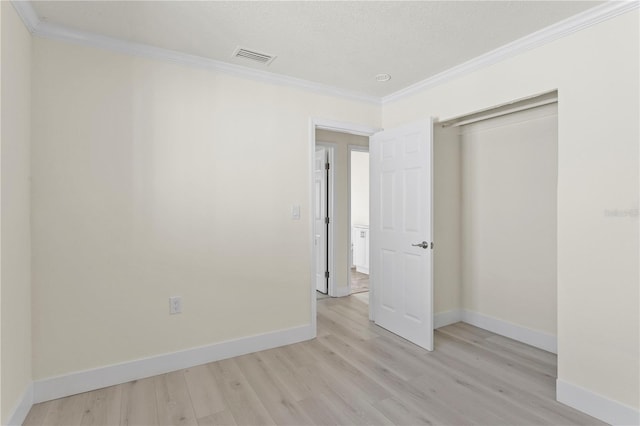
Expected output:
(153, 180)
(341, 222)
(447, 236)
(509, 181)
(15, 256)
(596, 73)
(359, 188)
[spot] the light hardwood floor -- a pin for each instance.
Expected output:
(359, 281)
(353, 373)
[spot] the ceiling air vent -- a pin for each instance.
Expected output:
(263, 58)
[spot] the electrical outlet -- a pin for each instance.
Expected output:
(175, 305)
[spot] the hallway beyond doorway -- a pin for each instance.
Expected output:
(359, 281)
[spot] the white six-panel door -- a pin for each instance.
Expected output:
(319, 215)
(401, 267)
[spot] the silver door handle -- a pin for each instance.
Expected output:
(424, 245)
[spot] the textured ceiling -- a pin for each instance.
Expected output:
(342, 44)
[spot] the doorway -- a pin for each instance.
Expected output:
(334, 219)
(401, 221)
(340, 136)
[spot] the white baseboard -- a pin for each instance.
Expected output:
(581, 399)
(446, 318)
(20, 412)
(343, 291)
(596, 405)
(83, 381)
(538, 339)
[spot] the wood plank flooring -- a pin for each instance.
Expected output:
(359, 281)
(354, 373)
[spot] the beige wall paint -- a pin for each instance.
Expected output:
(359, 188)
(447, 279)
(509, 181)
(153, 180)
(598, 273)
(15, 251)
(341, 222)
(139, 189)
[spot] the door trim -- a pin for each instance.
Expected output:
(336, 126)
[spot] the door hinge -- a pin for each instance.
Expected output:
(326, 220)
(326, 274)
(327, 166)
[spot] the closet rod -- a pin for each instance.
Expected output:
(462, 122)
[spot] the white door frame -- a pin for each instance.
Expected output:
(351, 148)
(335, 126)
(331, 264)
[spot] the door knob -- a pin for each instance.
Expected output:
(424, 245)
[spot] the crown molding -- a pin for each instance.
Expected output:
(57, 32)
(546, 35)
(551, 33)
(27, 14)
(62, 33)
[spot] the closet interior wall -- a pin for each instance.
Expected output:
(495, 206)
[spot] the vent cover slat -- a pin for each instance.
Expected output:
(263, 58)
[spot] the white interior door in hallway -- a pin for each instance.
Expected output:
(319, 216)
(401, 231)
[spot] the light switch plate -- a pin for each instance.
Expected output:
(175, 305)
(295, 212)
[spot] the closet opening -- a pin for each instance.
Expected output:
(495, 217)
